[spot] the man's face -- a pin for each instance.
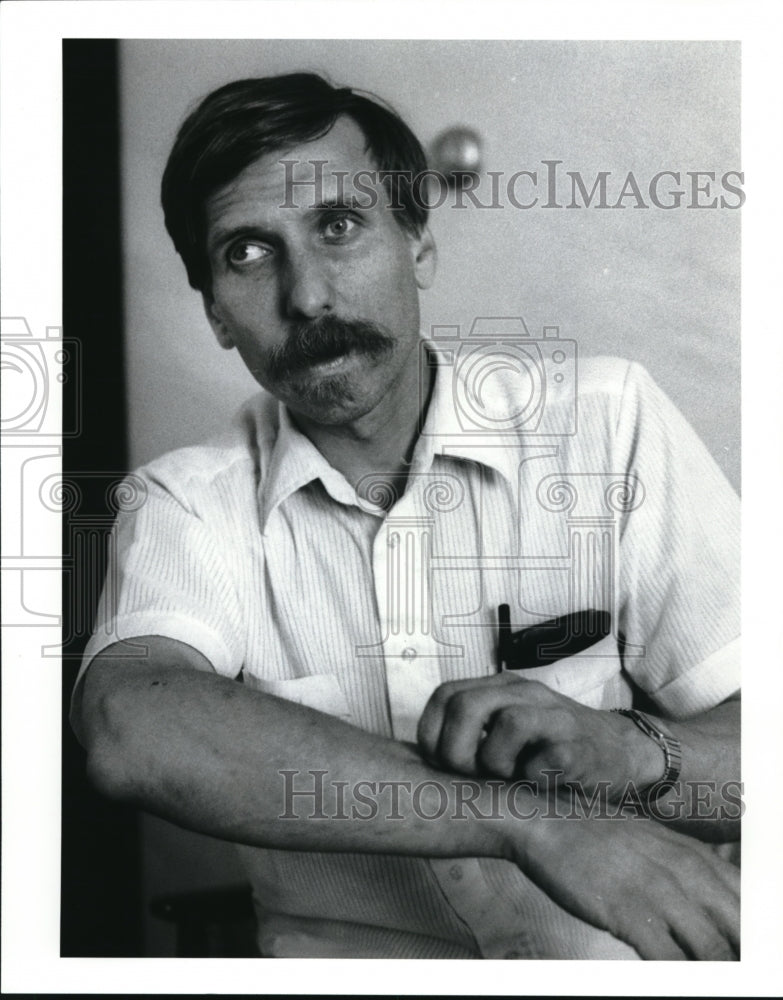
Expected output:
(321, 299)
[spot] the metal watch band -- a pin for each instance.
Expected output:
(672, 751)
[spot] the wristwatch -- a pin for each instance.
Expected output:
(672, 752)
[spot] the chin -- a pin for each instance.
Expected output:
(330, 401)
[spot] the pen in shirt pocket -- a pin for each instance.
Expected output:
(549, 641)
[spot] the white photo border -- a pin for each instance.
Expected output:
(32, 34)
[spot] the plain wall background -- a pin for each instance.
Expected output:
(660, 287)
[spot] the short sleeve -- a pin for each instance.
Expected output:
(167, 576)
(679, 570)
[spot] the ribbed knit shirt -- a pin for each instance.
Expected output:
(360, 602)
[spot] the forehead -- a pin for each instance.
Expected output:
(296, 179)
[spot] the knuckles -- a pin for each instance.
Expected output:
(557, 757)
(511, 722)
(561, 757)
(462, 707)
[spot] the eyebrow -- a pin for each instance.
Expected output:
(349, 201)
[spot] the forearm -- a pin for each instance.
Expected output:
(210, 755)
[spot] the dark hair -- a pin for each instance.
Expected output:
(238, 123)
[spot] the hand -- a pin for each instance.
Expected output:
(514, 728)
(665, 894)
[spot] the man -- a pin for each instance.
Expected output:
(344, 551)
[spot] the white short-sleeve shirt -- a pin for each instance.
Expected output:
(255, 551)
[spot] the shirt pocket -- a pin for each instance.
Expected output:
(593, 677)
(320, 691)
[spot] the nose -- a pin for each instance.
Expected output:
(307, 288)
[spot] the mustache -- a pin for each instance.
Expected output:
(325, 339)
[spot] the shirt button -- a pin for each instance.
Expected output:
(409, 653)
(455, 872)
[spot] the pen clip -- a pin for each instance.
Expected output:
(504, 635)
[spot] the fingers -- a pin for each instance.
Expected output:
(684, 930)
(452, 724)
(678, 912)
(728, 874)
(718, 889)
(704, 935)
(696, 939)
(523, 742)
(654, 942)
(705, 921)
(726, 914)
(703, 941)
(466, 718)
(511, 728)
(483, 725)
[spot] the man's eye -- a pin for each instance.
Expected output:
(246, 253)
(339, 227)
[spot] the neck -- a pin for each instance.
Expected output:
(382, 441)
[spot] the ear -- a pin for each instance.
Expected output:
(219, 327)
(425, 258)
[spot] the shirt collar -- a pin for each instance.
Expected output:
(295, 461)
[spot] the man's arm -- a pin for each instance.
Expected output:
(208, 753)
(168, 735)
(513, 728)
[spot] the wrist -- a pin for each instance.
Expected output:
(645, 759)
(523, 828)
(657, 764)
